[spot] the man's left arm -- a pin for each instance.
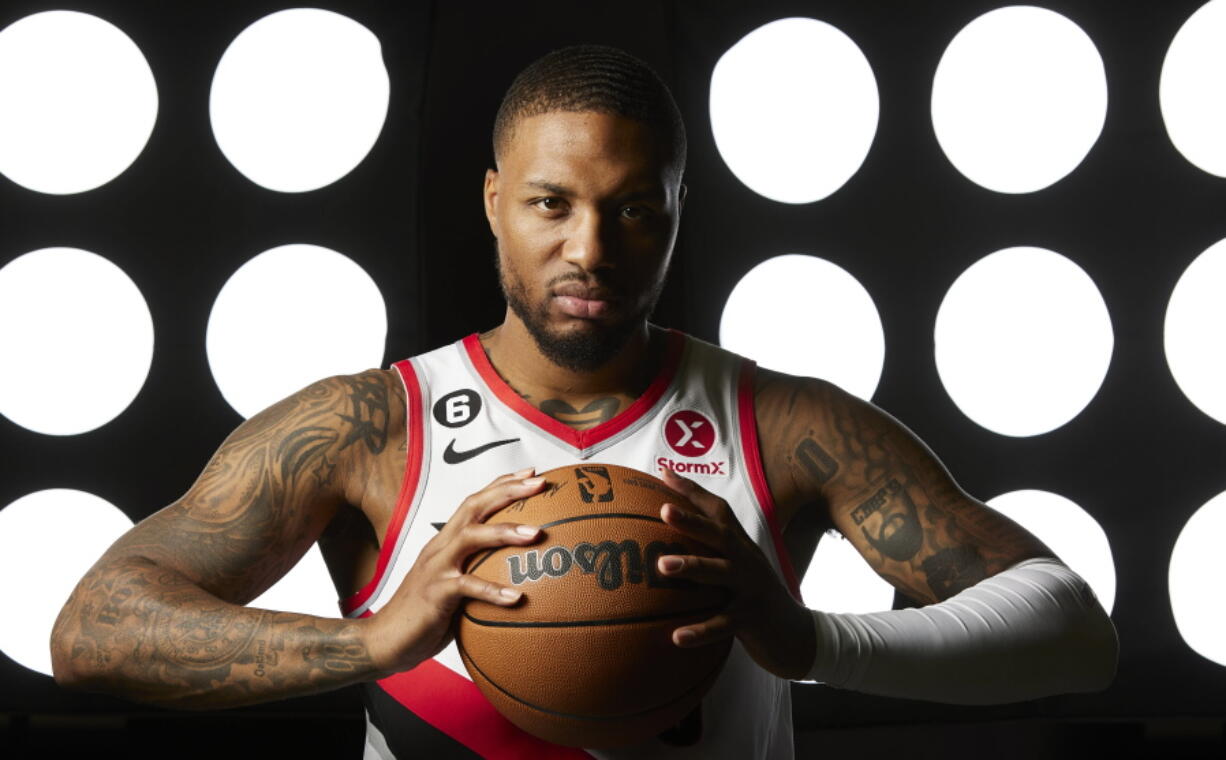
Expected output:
(1005, 619)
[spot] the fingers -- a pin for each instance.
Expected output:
(708, 631)
(711, 570)
(478, 588)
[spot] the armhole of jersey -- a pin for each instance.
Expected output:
(358, 605)
(752, 455)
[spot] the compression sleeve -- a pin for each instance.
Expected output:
(1031, 630)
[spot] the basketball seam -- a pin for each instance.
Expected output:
(582, 623)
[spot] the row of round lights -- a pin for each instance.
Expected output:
(241, 123)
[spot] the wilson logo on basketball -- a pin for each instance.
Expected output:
(612, 563)
(689, 433)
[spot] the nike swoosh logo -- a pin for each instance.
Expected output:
(451, 456)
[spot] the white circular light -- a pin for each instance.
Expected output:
(306, 589)
(1195, 332)
(1069, 531)
(77, 341)
(1192, 89)
(769, 314)
(1019, 98)
(299, 99)
(794, 109)
(270, 332)
(48, 539)
(1023, 340)
(78, 99)
(840, 580)
(1194, 581)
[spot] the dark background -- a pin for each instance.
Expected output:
(1141, 459)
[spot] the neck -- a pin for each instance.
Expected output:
(514, 354)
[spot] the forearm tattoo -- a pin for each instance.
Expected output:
(156, 618)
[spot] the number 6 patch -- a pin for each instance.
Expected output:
(457, 408)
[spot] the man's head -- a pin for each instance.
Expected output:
(585, 200)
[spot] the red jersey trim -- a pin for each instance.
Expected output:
(415, 432)
(757, 476)
(454, 705)
(579, 439)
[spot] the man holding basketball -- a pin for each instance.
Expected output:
(584, 204)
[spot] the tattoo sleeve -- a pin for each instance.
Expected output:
(883, 489)
(159, 616)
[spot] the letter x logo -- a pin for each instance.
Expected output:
(689, 433)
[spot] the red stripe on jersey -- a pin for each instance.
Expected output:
(757, 476)
(415, 433)
(580, 439)
(454, 705)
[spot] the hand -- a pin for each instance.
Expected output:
(775, 629)
(417, 621)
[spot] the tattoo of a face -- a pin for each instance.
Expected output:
(819, 464)
(368, 421)
(953, 570)
(893, 522)
(596, 412)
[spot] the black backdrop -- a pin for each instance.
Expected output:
(1140, 458)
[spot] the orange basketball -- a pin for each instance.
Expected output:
(586, 657)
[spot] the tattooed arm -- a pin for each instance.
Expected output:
(159, 618)
(882, 489)
(1022, 625)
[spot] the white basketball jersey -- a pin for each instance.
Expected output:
(466, 426)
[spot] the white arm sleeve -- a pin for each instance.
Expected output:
(1032, 630)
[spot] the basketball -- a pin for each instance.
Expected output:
(586, 657)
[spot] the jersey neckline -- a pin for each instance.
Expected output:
(578, 439)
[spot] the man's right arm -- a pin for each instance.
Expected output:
(159, 618)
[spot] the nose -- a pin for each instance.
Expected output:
(588, 244)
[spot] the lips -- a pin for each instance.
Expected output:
(583, 301)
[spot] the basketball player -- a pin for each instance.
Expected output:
(383, 469)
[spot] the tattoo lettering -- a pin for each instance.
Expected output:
(820, 465)
(596, 412)
(898, 532)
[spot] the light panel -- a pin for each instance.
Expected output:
(48, 540)
(1192, 89)
(772, 313)
(1019, 98)
(1023, 340)
(794, 109)
(1194, 581)
(78, 102)
(76, 339)
(1194, 334)
(288, 317)
(299, 98)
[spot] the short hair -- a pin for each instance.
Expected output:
(593, 78)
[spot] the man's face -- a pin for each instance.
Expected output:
(585, 208)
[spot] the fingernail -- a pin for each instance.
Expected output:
(671, 564)
(526, 530)
(533, 482)
(525, 472)
(685, 637)
(509, 594)
(676, 512)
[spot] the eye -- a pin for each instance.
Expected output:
(549, 204)
(634, 212)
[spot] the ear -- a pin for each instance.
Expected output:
(682, 191)
(491, 197)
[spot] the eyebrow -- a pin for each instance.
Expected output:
(549, 187)
(553, 189)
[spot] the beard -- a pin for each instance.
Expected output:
(581, 351)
